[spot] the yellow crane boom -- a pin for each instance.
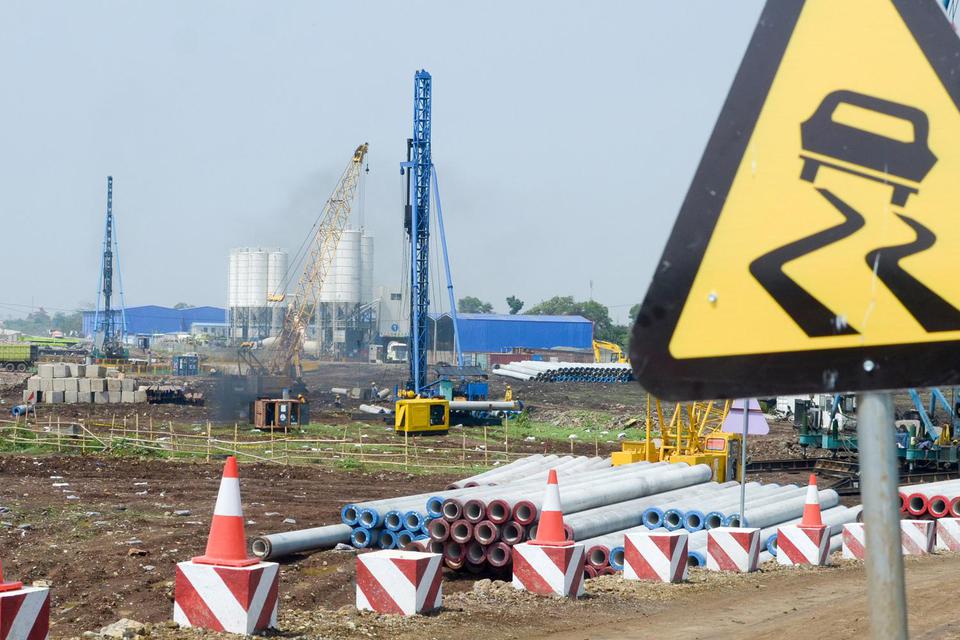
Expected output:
(286, 356)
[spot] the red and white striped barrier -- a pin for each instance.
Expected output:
(733, 549)
(649, 555)
(853, 542)
(25, 614)
(917, 537)
(404, 582)
(233, 599)
(802, 545)
(549, 570)
(948, 534)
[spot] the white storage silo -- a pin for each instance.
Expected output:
(232, 280)
(243, 278)
(257, 280)
(276, 274)
(342, 282)
(366, 269)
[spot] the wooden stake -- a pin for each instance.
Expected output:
(208, 441)
(486, 460)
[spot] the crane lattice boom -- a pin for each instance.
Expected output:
(303, 306)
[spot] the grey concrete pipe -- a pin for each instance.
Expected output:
(278, 545)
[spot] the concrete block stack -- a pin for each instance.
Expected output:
(70, 383)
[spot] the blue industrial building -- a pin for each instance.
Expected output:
(151, 319)
(502, 333)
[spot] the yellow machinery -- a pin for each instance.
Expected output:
(422, 415)
(693, 436)
(604, 351)
(286, 358)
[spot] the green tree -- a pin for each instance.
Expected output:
(515, 305)
(183, 305)
(36, 323)
(634, 312)
(69, 323)
(469, 304)
(603, 326)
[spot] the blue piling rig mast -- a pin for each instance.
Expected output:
(417, 223)
(108, 322)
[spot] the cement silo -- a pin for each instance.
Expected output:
(366, 269)
(253, 275)
(276, 288)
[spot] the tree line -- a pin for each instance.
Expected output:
(604, 328)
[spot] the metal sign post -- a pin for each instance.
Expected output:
(878, 489)
(743, 463)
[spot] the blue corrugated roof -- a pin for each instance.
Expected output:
(150, 319)
(498, 333)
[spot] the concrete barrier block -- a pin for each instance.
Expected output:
(70, 397)
(46, 384)
(94, 371)
(548, 570)
(113, 397)
(232, 599)
(70, 384)
(655, 556)
(84, 397)
(53, 397)
(116, 374)
(733, 549)
(801, 545)
(31, 397)
(100, 397)
(114, 385)
(854, 543)
(127, 396)
(404, 582)
(33, 383)
(58, 384)
(128, 384)
(25, 613)
(45, 370)
(98, 385)
(83, 385)
(60, 370)
(74, 369)
(948, 534)
(140, 396)
(917, 537)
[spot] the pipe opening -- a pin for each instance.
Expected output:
(439, 529)
(485, 532)
(498, 511)
(436, 546)
(368, 518)
(652, 518)
(712, 520)
(917, 504)
(260, 548)
(461, 531)
(349, 515)
(938, 505)
(388, 540)
(598, 556)
(512, 533)
(475, 554)
(404, 538)
(498, 555)
(435, 506)
(616, 558)
(451, 509)
(693, 521)
(732, 520)
(393, 520)
(453, 550)
(672, 520)
(524, 512)
(473, 511)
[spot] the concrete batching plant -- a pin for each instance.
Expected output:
(254, 276)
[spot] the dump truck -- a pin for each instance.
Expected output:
(17, 357)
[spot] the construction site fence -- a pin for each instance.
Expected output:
(122, 438)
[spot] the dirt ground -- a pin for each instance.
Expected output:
(105, 534)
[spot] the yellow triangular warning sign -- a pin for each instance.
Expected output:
(817, 246)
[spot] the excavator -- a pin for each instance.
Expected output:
(692, 434)
(604, 351)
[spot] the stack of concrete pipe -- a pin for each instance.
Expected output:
(608, 372)
(481, 527)
(933, 499)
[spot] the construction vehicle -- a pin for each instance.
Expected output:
(693, 435)
(17, 357)
(604, 351)
(109, 322)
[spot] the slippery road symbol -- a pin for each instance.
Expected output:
(901, 164)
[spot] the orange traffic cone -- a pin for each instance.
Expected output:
(8, 586)
(811, 508)
(550, 527)
(227, 544)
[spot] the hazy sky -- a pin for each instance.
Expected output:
(565, 135)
